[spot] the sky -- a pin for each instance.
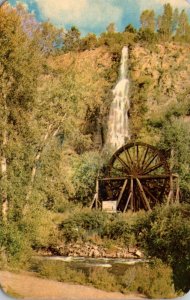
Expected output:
(95, 15)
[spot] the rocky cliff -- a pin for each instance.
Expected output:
(160, 81)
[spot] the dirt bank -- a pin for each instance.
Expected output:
(30, 287)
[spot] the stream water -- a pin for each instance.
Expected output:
(117, 266)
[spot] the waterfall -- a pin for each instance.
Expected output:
(118, 128)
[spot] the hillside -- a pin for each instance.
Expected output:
(159, 83)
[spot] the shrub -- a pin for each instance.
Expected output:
(80, 225)
(153, 279)
(118, 230)
(58, 271)
(102, 279)
(165, 233)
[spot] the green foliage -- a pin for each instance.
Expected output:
(146, 35)
(89, 42)
(147, 19)
(165, 22)
(102, 279)
(153, 279)
(82, 225)
(14, 245)
(72, 39)
(175, 135)
(118, 229)
(49, 38)
(130, 28)
(164, 233)
(183, 28)
(58, 271)
(84, 179)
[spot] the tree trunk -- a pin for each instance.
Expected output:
(4, 176)
(49, 133)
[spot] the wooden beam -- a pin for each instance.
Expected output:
(121, 192)
(143, 194)
(131, 190)
(127, 203)
(93, 201)
(138, 176)
(97, 194)
(150, 194)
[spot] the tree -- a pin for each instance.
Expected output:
(89, 42)
(49, 38)
(165, 22)
(175, 135)
(183, 28)
(175, 20)
(164, 233)
(130, 28)
(111, 28)
(72, 39)
(147, 20)
(19, 68)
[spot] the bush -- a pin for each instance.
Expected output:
(81, 225)
(153, 279)
(15, 246)
(58, 271)
(102, 279)
(84, 177)
(165, 233)
(118, 229)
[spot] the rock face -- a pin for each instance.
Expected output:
(91, 250)
(159, 78)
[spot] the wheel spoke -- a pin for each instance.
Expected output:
(151, 159)
(144, 157)
(139, 177)
(157, 166)
(123, 163)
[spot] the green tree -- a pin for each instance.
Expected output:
(111, 28)
(19, 68)
(130, 28)
(147, 20)
(165, 234)
(175, 135)
(183, 28)
(165, 22)
(175, 20)
(50, 38)
(89, 42)
(72, 39)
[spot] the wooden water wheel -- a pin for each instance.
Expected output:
(137, 177)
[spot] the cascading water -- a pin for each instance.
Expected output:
(118, 128)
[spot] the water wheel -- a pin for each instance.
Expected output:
(137, 177)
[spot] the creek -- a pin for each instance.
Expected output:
(117, 266)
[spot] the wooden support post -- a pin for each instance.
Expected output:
(131, 191)
(127, 203)
(97, 194)
(177, 189)
(93, 201)
(145, 200)
(121, 192)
